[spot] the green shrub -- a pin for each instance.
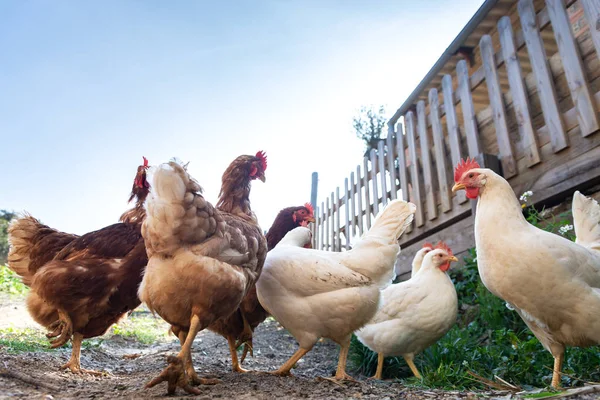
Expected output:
(11, 283)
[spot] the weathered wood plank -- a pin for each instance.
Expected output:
(367, 193)
(390, 162)
(326, 234)
(591, 8)
(359, 206)
(315, 228)
(348, 220)
(381, 168)
(402, 165)
(338, 211)
(332, 230)
(452, 126)
(569, 54)
(426, 162)
(353, 209)
(544, 80)
(409, 119)
(468, 109)
(440, 153)
(375, 192)
(497, 103)
(518, 91)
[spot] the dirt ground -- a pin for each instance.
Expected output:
(129, 365)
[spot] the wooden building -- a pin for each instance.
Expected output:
(520, 85)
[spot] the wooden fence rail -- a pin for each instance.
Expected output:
(541, 113)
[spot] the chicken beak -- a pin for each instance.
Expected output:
(309, 219)
(262, 178)
(452, 259)
(458, 186)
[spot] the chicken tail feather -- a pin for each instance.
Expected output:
(32, 244)
(586, 221)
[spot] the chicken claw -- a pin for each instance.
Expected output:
(57, 326)
(175, 376)
(66, 327)
(76, 369)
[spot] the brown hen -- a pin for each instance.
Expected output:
(91, 282)
(239, 327)
(202, 259)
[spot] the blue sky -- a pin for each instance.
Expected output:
(89, 87)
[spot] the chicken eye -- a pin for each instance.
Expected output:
(471, 175)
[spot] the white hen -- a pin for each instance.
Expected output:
(315, 293)
(415, 313)
(553, 283)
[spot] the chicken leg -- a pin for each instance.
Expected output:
(189, 366)
(556, 374)
(247, 334)
(340, 374)
(73, 363)
(379, 373)
(235, 365)
(284, 370)
(175, 373)
(412, 366)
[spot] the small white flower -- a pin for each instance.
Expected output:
(509, 306)
(564, 229)
(525, 196)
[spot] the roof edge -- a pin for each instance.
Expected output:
(446, 55)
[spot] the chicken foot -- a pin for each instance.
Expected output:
(284, 370)
(66, 330)
(246, 333)
(175, 373)
(74, 362)
(556, 374)
(340, 374)
(189, 366)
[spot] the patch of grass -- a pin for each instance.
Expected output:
(11, 283)
(143, 327)
(488, 339)
(17, 340)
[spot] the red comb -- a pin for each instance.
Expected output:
(263, 159)
(145, 162)
(463, 166)
(427, 245)
(443, 246)
(310, 208)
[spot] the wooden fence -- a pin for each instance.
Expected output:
(536, 113)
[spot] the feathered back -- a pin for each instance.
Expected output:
(586, 221)
(234, 196)
(177, 213)
(392, 221)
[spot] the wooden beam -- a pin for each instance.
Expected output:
(336, 230)
(569, 54)
(440, 153)
(518, 91)
(353, 212)
(498, 109)
(381, 168)
(464, 92)
(544, 80)
(390, 162)
(327, 235)
(409, 119)
(426, 162)
(367, 192)
(374, 182)
(592, 14)
(359, 208)
(402, 165)
(349, 217)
